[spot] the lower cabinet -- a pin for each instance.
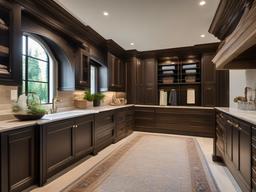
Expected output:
(124, 123)
(18, 159)
(237, 147)
(104, 130)
(197, 122)
(64, 142)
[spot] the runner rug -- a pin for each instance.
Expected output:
(150, 163)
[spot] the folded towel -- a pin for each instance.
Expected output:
(168, 67)
(3, 66)
(191, 71)
(189, 66)
(168, 72)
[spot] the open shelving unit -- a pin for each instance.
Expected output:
(180, 74)
(5, 18)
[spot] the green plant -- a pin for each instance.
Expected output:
(36, 110)
(98, 96)
(88, 95)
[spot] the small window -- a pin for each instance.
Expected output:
(94, 76)
(37, 69)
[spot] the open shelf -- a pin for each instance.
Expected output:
(176, 80)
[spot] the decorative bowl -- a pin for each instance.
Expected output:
(27, 117)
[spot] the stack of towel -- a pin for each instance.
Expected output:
(3, 69)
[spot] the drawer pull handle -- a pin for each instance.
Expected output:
(234, 124)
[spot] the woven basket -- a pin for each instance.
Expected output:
(81, 104)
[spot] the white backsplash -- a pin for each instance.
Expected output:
(239, 79)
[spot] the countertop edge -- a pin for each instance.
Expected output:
(240, 114)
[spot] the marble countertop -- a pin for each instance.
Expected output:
(175, 107)
(248, 116)
(12, 124)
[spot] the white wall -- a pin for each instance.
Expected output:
(239, 79)
(237, 84)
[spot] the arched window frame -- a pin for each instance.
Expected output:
(51, 65)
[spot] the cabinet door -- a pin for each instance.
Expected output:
(57, 146)
(84, 129)
(116, 73)
(131, 79)
(208, 81)
(150, 80)
(18, 159)
(236, 147)
(228, 142)
(140, 82)
(83, 70)
(245, 152)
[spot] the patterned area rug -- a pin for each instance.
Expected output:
(150, 163)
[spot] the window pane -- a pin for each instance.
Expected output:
(37, 70)
(36, 50)
(23, 87)
(41, 89)
(23, 67)
(24, 45)
(93, 79)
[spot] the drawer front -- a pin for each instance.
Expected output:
(144, 118)
(104, 127)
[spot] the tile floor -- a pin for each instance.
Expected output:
(222, 176)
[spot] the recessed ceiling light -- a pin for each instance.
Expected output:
(132, 44)
(202, 3)
(105, 13)
(203, 35)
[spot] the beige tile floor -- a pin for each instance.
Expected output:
(222, 176)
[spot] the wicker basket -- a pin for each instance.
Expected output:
(82, 104)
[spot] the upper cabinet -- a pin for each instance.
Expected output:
(116, 73)
(234, 23)
(142, 81)
(83, 70)
(10, 43)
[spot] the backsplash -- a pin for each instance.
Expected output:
(239, 79)
(66, 100)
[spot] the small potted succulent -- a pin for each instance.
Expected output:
(97, 98)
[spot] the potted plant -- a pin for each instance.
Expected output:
(88, 96)
(97, 98)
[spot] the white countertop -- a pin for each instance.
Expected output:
(175, 107)
(248, 116)
(15, 124)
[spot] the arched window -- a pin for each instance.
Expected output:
(37, 69)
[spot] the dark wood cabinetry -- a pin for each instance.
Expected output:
(197, 122)
(208, 81)
(124, 122)
(116, 68)
(104, 130)
(63, 143)
(142, 81)
(18, 159)
(10, 43)
(83, 70)
(234, 147)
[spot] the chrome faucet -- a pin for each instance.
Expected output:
(54, 108)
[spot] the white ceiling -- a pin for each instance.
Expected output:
(149, 24)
